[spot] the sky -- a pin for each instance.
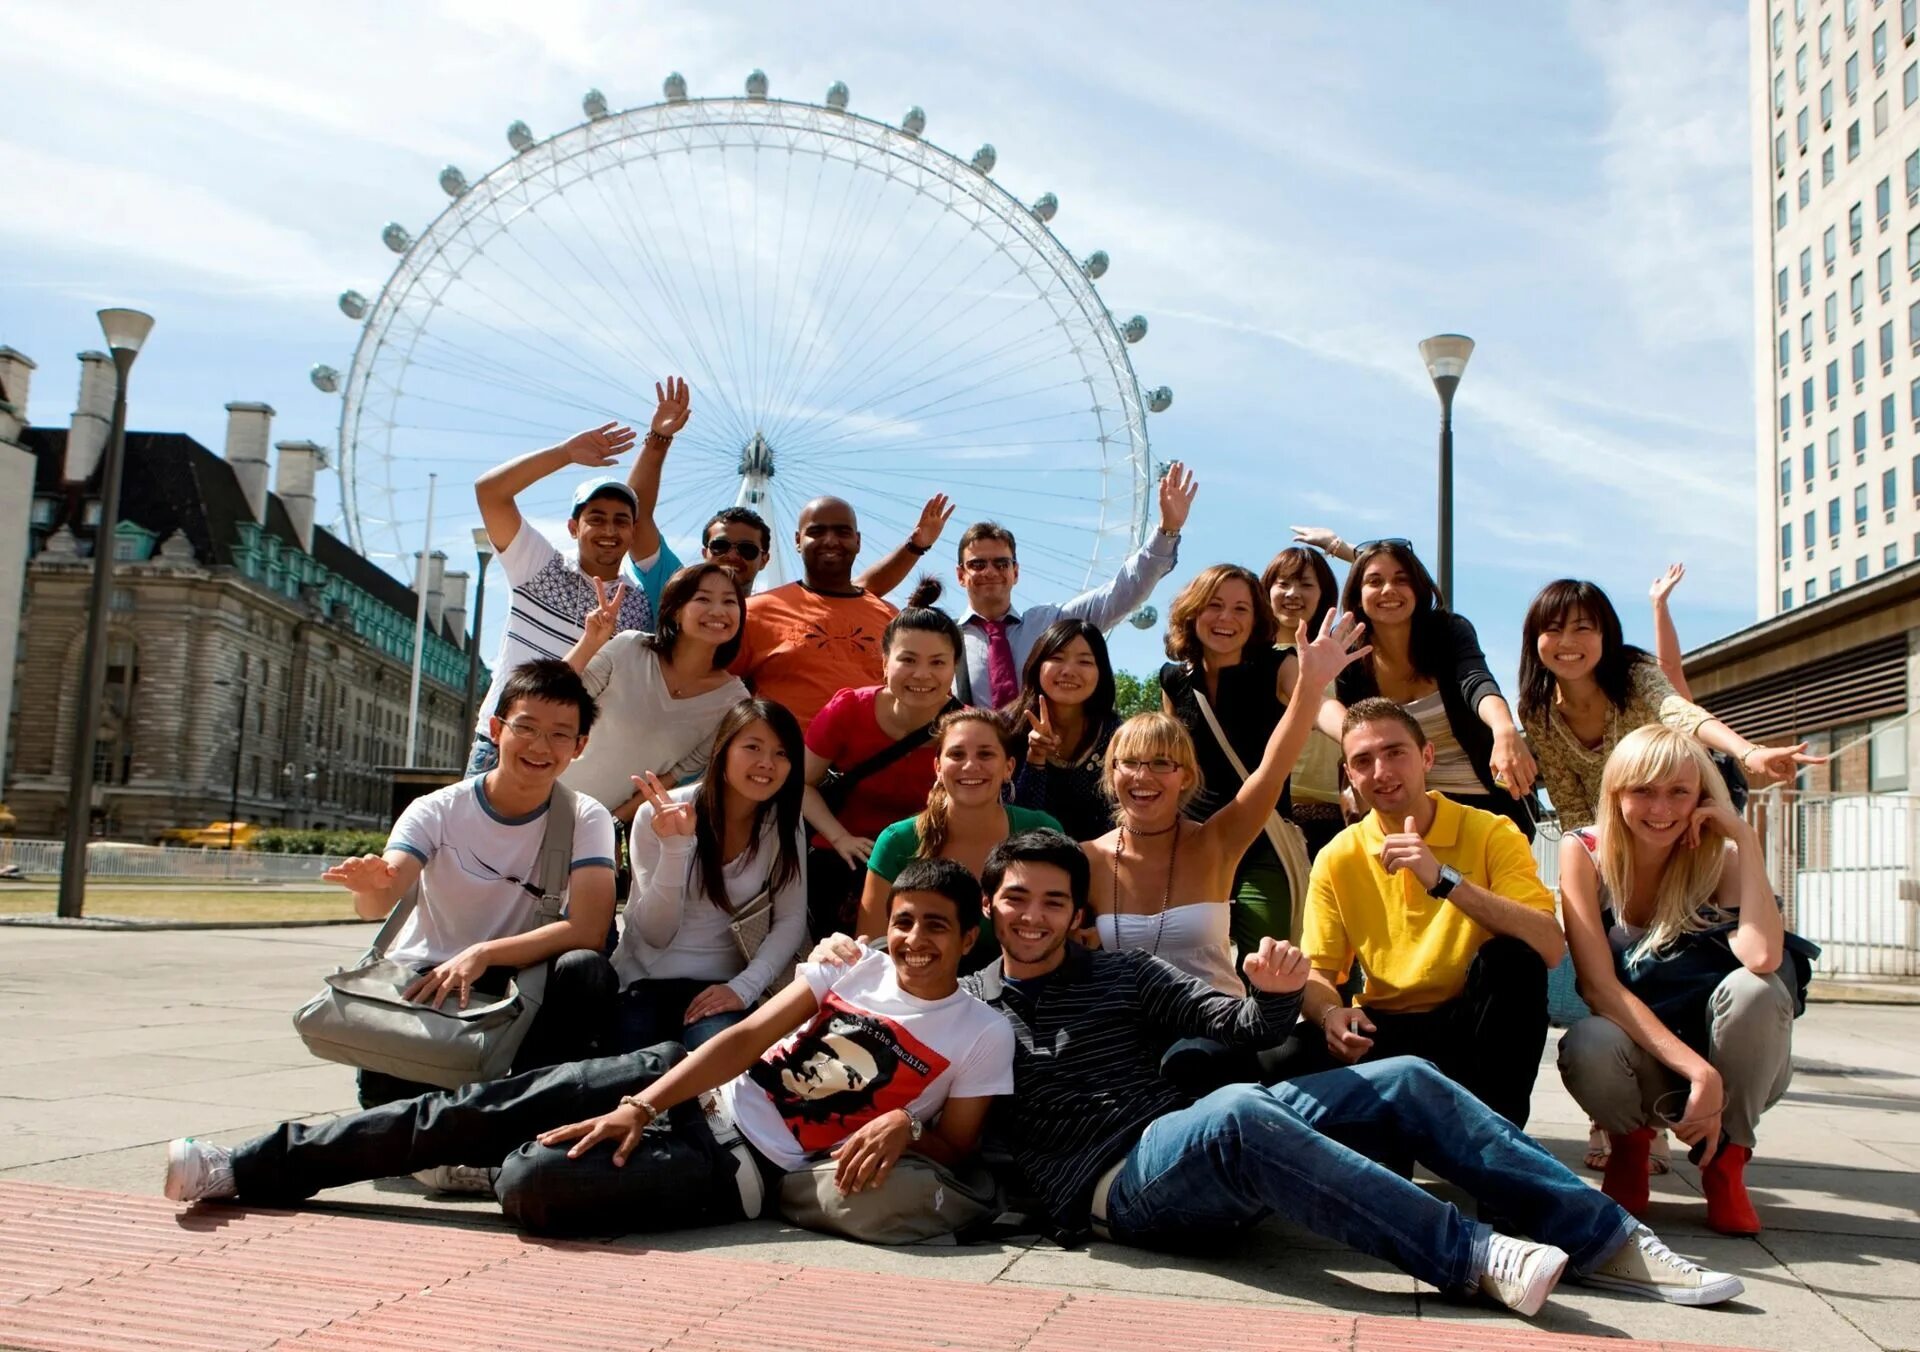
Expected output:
(1293, 195)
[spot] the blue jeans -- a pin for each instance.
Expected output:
(1304, 1150)
(652, 1012)
(484, 755)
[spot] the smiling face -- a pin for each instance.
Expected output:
(756, 763)
(919, 668)
(1657, 814)
(1386, 591)
(828, 538)
(723, 544)
(1071, 675)
(1388, 768)
(926, 942)
(604, 529)
(973, 766)
(712, 613)
(1226, 620)
(1570, 645)
(1033, 915)
(1294, 598)
(538, 739)
(988, 572)
(1151, 771)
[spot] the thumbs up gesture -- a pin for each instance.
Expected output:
(1407, 849)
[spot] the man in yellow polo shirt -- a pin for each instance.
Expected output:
(1443, 908)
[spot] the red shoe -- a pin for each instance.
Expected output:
(1627, 1170)
(1725, 1181)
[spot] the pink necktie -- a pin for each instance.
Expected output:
(1003, 682)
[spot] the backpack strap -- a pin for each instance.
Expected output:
(556, 854)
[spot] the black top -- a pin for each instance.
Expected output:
(1070, 794)
(1249, 709)
(1088, 1038)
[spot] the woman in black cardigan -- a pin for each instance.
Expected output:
(1428, 660)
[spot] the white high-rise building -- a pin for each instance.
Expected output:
(1836, 127)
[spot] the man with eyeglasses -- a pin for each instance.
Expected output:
(998, 637)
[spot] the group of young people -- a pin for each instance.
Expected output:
(1260, 952)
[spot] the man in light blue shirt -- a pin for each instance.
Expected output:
(999, 637)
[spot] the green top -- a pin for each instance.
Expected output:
(899, 844)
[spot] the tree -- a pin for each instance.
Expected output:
(1134, 695)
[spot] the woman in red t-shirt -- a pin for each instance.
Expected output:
(849, 800)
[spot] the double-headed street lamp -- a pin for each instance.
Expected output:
(1446, 357)
(126, 330)
(483, 547)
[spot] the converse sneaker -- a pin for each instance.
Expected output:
(1647, 1267)
(197, 1169)
(1521, 1274)
(457, 1178)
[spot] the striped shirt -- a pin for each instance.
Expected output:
(1086, 1062)
(551, 598)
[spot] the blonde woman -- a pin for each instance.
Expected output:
(1161, 880)
(1678, 945)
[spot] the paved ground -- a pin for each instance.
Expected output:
(118, 1041)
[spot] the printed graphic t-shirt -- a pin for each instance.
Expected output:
(871, 1048)
(798, 647)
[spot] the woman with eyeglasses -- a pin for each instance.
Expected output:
(1066, 709)
(964, 818)
(870, 754)
(1162, 881)
(1428, 660)
(661, 694)
(719, 897)
(1299, 585)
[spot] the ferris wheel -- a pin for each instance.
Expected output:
(857, 311)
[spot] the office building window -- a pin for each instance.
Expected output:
(1913, 324)
(1853, 140)
(1801, 122)
(1786, 599)
(1910, 85)
(1833, 453)
(1832, 316)
(1853, 76)
(1860, 569)
(1883, 272)
(1800, 66)
(1880, 115)
(1833, 383)
(1887, 756)
(1913, 398)
(1882, 200)
(1809, 589)
(1858, 352)
(1806, 272)
(1786, 541)
(1859, 434)
(1857, 293)
(1780, 213)
(1779, 92)
(1806, 531)
(1890, 557)
(1886, 345)
(1879, 47)
(1855, 227)
(1887, 412)
(1826, 40)
(1786, 348)
(1806, 334)
(1786, 412)
(1849, 11)
(1805, 187)
(1907, 17)
(1833, 581)
(1829, 249)
(1889, 489)
(1860, 508)
(1806, 461)
(1806, 400)
(1833, 521)
(1786, 477)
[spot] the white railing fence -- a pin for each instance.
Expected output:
(109, 861)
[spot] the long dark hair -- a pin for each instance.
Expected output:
(1098, 710)
(1430, 648)
(1291, 562)
(1556, 602)
(919, 616)
(681, 588)
(710, 804)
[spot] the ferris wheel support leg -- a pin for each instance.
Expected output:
(756, 492)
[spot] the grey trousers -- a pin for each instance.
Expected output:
(1749, 1041)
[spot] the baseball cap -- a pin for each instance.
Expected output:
(603, 487)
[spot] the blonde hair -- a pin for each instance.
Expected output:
(1150, 736)
(933, 823)
(1683, 901)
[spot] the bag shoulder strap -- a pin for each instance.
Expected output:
(895, 751)
(1219, 733)
(556, 853)
(390, 927)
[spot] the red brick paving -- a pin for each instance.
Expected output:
(99, 1272)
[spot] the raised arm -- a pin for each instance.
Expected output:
(1141, 573)
(674, 406)
(1332, 712)
(1666, 638)
(1324, 540)
(1759, 940)
(599, 624)
(1512, 762)
(891, 571)
(496, 490)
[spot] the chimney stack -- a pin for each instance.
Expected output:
(298, 465)
(92, 417)
(436, 586)
(454, 605)
(16, 377)
(249, 428)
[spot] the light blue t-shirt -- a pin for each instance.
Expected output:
(665, 564)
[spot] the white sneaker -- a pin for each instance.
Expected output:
(197, 1169)
(456, 1178)
(1647, 1267)
(1521, 1274)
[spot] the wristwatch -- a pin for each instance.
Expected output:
(1448, 880)
(914, 1128)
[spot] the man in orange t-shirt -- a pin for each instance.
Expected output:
(805, 641)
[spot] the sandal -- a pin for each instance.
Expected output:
(1660, 1158)
(1598, 1148)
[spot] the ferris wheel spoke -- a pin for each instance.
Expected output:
(459, 365)
(959, 440)
(788, 363)
(1015, 397)
(726, 372)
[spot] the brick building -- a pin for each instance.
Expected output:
(245, 642)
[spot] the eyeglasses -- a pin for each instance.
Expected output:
(720, 546)
(1159, 765)
(527, 732)
(1386, 541)
(999, 565)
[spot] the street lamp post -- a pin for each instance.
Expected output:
(126, 330)
(1446, 357)
(483, 547)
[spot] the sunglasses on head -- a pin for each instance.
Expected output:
(721, 545)
(1388, 541)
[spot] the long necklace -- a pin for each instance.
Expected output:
(1166, 896)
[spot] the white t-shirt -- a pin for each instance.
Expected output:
(641, 726)
(870, 1049)
(674, 930)
(551, 598)
(479, 876)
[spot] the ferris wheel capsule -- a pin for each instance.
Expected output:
(520, 137)
(1044, 206)
(395, 237)
(1144, 618)
(325, 379)
(675, 88)
(837, 95)
(1159, 399)
(1134, 329)
(985, 158)
(594, 104)
(452, 182)
(915, 121)
(353, 305)
(1095, 264)
(757, 84)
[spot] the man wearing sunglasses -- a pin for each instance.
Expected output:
(998, 637)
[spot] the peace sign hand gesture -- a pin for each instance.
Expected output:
(1043, 743)
(670, 818)
(675, 407)
(600, 446)
(603, 621)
